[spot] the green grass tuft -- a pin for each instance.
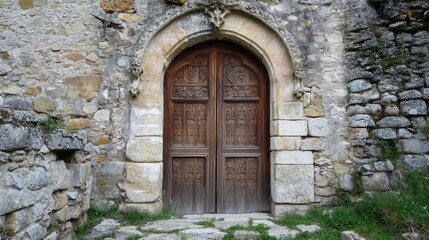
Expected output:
(51, 124)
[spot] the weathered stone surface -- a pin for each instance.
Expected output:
(410, 236)
(44, 105)
(404, 133)
(85, 86)
(75, 56)
(18, 220)
(60, 175)
(284, 188)
(359, 85)
(18, 104)
(414, 162)
(244, 234)
(314, 111)
(314, 144)
(358, 133)
(170, 225)
(288, 110)
(385, 133)
(391, 110)
(285, 143)
(393, 122)
(79, 174)
(102, 115)
(145, 149)
(413, 107)
(107, 176)
(25, 4)
(279, 210)
(60, 199)
(346, 182)
(163, 236)
(414, 146)
(318, 127)
(375, 182)
(35, 232)
(107, 226)
(361, 120)
(62, 140)
(4, 157)
(292, 157)
(117, 5)
(203, 233)
(324, 191)
(143, 182)
(350, 235)
(13, 137)
(152, 207)
(367, 109)
(38, 178)
(410, 94)
(78, 123)
(290, 128)
(308, 228)
(282, 232)
(18, 156)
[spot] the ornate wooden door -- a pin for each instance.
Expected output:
(215, 131)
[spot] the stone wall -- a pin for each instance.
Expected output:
(45, 178)
(387, 45)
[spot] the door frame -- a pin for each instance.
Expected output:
(216, 157)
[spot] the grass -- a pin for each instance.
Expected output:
(51, 124)
(381, 216)
(128, 217)
(425, 130)
(207, 224)
(260, 228)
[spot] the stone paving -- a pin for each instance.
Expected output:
(193, 227)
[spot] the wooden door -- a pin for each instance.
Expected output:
(215, 131)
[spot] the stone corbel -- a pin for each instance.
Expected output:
(217, 12)
(298, 90)
(136, 73)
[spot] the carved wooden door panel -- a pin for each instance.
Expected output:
(215, 132)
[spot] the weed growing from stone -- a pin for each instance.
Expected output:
(377, 216)
(51, 124)
(207, 224)
(425, 129)
(260, 228)
(389, 149)
(136, 237)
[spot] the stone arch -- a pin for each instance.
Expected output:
(143, 184)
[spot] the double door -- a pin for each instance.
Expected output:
(215, 131)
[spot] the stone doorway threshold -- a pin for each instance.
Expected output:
(204, 226)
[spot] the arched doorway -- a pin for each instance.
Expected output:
(216, 131)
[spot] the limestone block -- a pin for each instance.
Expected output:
(117, 5)
(314, 111)
(145, 149)
(414, 146)
(292, 157)
(279, 210)
(292, 183)
(35, 232)
(318, 127)
(359, 85)
(288, 110)
(361, 120)
(85, 86)
(76, 27)
(385, 133)
(2, 222)
(33, 91)
(13, 137)
(25, 4)
(315, 144)
(285, 143)
(63, 140)
(282, 89)
(152, 207)
(375, 182)
(44, 105)
(60, 175)
(394, 122)
(147, 120)
(130, 17)
(143, 182)
(102, 115)
(289, 128)
(13, 199)
(413, 107)
(40, 209)
(18, 220)
(60, 199)
(324, 191)
(38, 178)
(75, 211)
(358, 133)
(108, 175)
(78, 123)
(79, 174)
(18, 103)
(346, 182)
(415, 162)
(61, 216)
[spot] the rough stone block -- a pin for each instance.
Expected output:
(18, 220)
(318, 127)
(152, 207)
(147, 120)
(61, 140)
(285, 143)
(13, 137)
(346, 182)
(13, 199)
(413, 107)
(44, 105)
(38, 178)
(394, 122)
(117, 5)
(415, 162)
(79, 174)
(314, 144)
(18, 103)
(375, 182)
(61, 216)
(60, 199)
(385, 133)
(60, 175)
(282, 90)
(25, 4)
(85, 87)
(35, 232)
(143, 182)
(359, 85)
(107, 177)
(102, 115)
(358, 133)
(145, 149)
(292, 157)
(289, 128)
(288, 110)
(292, 183)
(414, 146)
(279, 210)
(361, 120)
(78, 123)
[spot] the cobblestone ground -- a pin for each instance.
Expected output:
(207, 226)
